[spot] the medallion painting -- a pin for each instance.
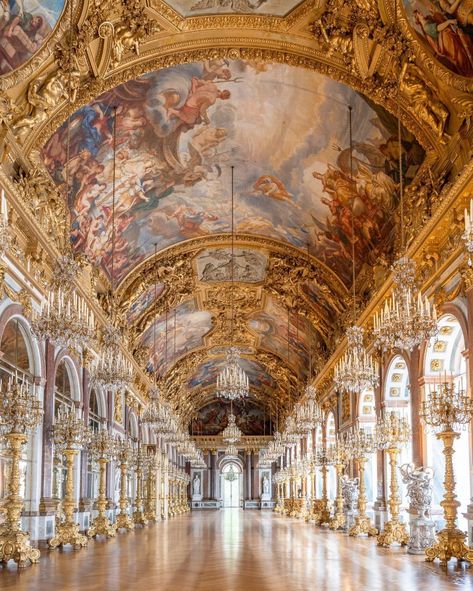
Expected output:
(271, 326)
(200, 7)
(213, 418)
(206, 374)
(446, 26)
(178, 333)
(24, 27)
(215, 265)
(179, 131)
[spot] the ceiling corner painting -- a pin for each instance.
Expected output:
(446, 26)
(179, 130)
(213, 418)
(201, 7)
(177, 333)
(24, 27)
(142, 301)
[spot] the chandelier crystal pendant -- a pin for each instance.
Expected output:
(111, 370)
(356, 370)
(407, 319)
(232, 382)
(231, 433)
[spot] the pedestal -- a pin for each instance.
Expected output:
(422, 536)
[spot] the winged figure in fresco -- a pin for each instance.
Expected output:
(234, 5)
(272, 187)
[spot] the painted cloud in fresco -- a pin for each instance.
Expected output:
(206, 374)
(179, 130)
(446, 27)
(181, 332)
(213, 418)
(24, 26)
(198, 7)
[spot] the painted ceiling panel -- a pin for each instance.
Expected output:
(200, 7)
(24, 27)
(446, 29)
(206, 374)
(213, 418)
(285, 129)
(182, 331)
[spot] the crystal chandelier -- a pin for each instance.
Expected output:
(355, 371)
(231, 450)
(407, 319)
(152, 415)
(111, 371)
(69, 431)
(309, 414)
(291, 434)
(231, 433)
(232, 382)
(467, 235)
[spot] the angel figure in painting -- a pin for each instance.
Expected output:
(274, 188)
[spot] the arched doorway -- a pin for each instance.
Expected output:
(231, 485)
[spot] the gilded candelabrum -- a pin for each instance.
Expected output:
(322, 513)
(392, 433)
(338, 457)
(138, 515)
(149, 466)
(122, 455)
(447, 410)
(69, 435)
(101, 448)
(360, 444)
(20, 413)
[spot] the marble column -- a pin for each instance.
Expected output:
(415, 382)
(380, 509)
(214, 479)
(248, 475)
(48, 504)
(467, 277)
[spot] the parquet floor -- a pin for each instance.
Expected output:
(234, 550)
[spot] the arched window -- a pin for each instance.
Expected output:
(367, 420)
(445, 361)
(16, 360)
(331, 438)
(62, 399)
(397, 398)
(95, 421)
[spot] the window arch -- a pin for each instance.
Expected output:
(367, 420)
(444, 361)
(330, 433)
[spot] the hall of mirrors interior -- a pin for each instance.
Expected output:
(236, 273)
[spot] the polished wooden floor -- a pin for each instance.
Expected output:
(234, 551)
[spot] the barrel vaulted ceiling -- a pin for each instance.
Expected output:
(263, 86)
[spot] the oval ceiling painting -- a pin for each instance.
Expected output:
(179, 131)
(24, 27)
(200, 7)
(446, 26)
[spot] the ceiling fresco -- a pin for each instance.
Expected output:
(143, 301)
(446, 27)
(24, 26)
(206, 374)
(213, 418)
(271, 326)
(284, 129)
(200, 7)
(177, 333)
